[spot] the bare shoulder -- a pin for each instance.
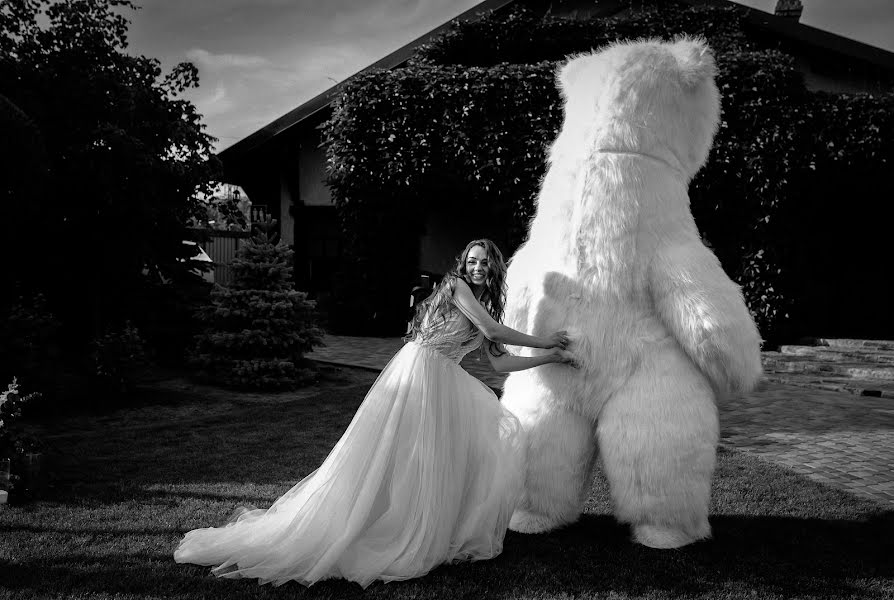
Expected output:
(458, 283)
(462, 291)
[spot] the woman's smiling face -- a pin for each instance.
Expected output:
(477, 265)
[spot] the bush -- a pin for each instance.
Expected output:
(29, 341)
(168, 321)
(118, 358)
(15, 444)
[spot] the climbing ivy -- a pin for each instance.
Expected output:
(468, 121)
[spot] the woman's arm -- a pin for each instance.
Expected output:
(506, 363)
(465, 301)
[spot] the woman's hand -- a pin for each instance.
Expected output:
(558, 340)
(564, 357)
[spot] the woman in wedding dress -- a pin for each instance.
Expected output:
(428, 471)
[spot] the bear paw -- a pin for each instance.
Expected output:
(665, 538)
(528, 522)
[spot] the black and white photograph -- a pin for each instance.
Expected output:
(405, 299)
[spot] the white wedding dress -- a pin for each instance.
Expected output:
(428, 472)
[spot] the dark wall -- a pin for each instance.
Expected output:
(838, 258)
(318, 246)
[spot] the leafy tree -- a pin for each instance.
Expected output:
(114, 161)
(258, 329)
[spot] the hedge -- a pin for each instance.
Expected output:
(469, 120)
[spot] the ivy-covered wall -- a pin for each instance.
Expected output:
(469, 120)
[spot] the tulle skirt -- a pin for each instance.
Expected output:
(429, 471)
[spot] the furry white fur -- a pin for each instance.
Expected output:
(614, 256)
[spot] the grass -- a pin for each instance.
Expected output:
(127, 484)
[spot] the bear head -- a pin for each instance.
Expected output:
(649, 97)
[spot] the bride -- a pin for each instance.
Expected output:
(427, 472)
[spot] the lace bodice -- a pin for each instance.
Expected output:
(452, 334)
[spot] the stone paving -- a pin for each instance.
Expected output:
(833, 437)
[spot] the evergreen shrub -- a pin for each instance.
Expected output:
(258, 329)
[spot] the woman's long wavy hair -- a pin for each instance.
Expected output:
(493, 297)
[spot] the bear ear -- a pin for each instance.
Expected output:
(695, 59)
(567, 73)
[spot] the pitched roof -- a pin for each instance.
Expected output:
(780, 26)
(792, 30)
(321, 101)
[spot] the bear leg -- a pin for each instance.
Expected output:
(560, 456)
(657, 439)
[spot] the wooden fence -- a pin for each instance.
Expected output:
(221, 247)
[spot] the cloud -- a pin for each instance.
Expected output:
(210, 61)
(236, 102)
(259, 59)
(329, 50)
(220, 93)
(215, 105)
(375, 17)
(395, 19)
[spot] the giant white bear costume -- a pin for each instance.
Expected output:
(614, 256)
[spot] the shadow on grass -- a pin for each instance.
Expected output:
(105, 460)
(105, 495)
(763, 557)
(133, 576)
(772, 555)
(91, 530)
(130, 484)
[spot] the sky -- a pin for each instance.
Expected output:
(259, 59)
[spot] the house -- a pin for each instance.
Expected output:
(282, 165)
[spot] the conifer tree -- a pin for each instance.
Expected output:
(258, 328)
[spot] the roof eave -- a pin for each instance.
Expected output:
(324, 99)
(789, 28)
(808, 35)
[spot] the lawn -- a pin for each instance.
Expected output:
(128, 483)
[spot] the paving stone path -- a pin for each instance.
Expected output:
(834, 437)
